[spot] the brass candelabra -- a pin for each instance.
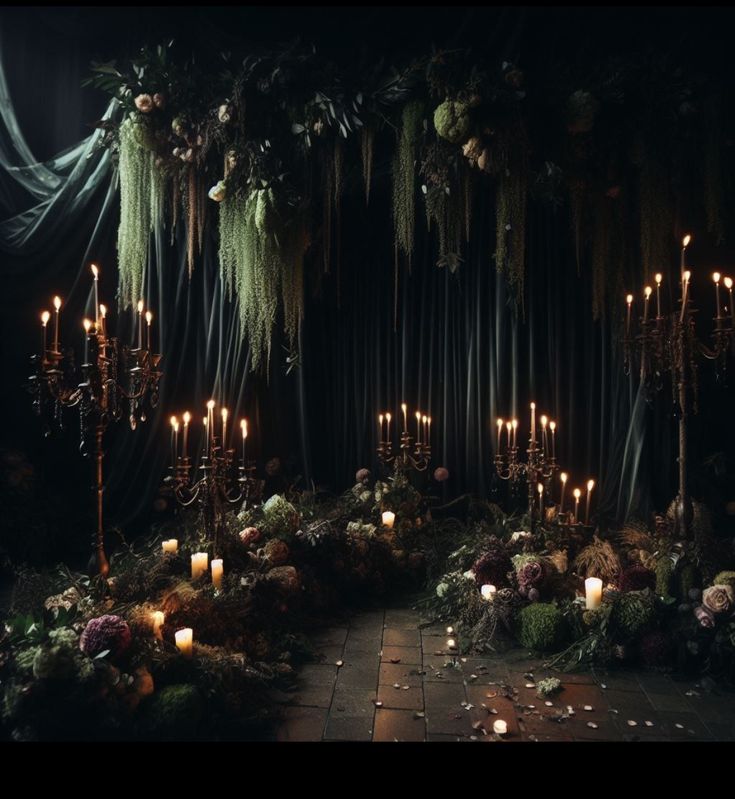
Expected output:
(409, 456)
(113, 379)
(537, 469)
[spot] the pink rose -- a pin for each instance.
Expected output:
(250, 535)
(704, 616)
(718, 598)
(362, 475)
(441, 474)
(144, 103)
(159, 100)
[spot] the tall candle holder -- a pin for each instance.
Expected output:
(409, 456)
(668, 345)
(113, 379)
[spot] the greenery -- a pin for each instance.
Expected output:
(541, 627)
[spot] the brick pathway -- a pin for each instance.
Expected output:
(394, 684)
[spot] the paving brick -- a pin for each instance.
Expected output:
(543, 730)
(403, 674)
(721, 731)
(452, 721)
(412, 699)
(315, 674)
(360, 650)
(333, 636)
(401, 620)
(669, 701)
(393, 636)
(313, 696)
(329, 654)
(398, 725)
(444, 695)
(606, 729)
(693, 727)
(404, 654)
(618, 681)
(358, 676)
(628, 702)
(353, 702)
(302, 724)
(346, 728)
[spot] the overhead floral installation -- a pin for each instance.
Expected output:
(264, 148)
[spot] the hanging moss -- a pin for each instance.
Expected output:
(656, 211)
(714, 199)
(404, 177)
(367, 141)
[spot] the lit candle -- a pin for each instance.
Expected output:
(508, 428)
(140, 324)
(716, 278)
(564, 476)
(57, 306)
(424, 420)
(388, 518)
(95, 276)
(199, 564)
(86, 324)
(515, 428)
(450, 630)
(217, 572)
(552, 427)
(684, 294)
(388, 417)
(533, 425)
(45, 316)
(577, 495)
(629, 301)
(647, 294)
(205, 422)
(405, 417)
(210, 426)
(590, 486)
(658, 277)
(451, 643)
(187, 419)
(544, 436)
(428, 430)
(157, 617)
(500, 727)
(593, 593)
(500, 430)
(540, 489)
(103, 317)
(728, 286)
(224, 429)
(380, 426)
(185, 641)
(148, 320)
(488, 592)
(174, 441)
(171, 546)
(418, 427)
(244, 428)
(684, 244)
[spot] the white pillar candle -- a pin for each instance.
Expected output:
(451, 643)
(488, 592)
(450, 630)
(157, 617)
(500, 424)
(172, 545)
(185, 641)
(404, 408)
(593, 592)
(217, 572)
(500, 727)
(388, 518)
(199, 564)
(659, 277)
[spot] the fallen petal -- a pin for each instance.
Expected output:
(339, 664)
(648, 723)
(395, 660)
(592, 725)
(588, 707)
(632, 723)
(549, 704)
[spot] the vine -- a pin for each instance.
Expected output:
(404, 177)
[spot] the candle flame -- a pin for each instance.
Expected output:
(87, 324)
(148, 317)
(210, 404)
(140, 306)
(544, 420)
(244, 427)
(500, 422)
(728, 283)
(388, 417)
(174, 422)
(95, 271)
(716, 277)
(533, 406)
(540, 488)
(590, 485)
(206, 421)
(564, 477)
(515, 423)
(647, 291)
(403, 406)
(103, 310)
(380, 419)
(508, 425)
(424, 418)
(658, 277)
(57, 303)
(187, 418)
(224, 414)
(629, 299)
(552, 425)
(577, 493)
(418, 415)
(687, 275)
(685, 241)
(429, 420)
(45, 316)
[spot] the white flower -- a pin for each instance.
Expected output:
(441, 589)
(144, 103)
(223, 112)
(469, 574)
(218, 192)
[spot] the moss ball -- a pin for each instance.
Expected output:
(725, 578)
(633, 612)
(452, 121)
(175, 712)
(541, 627)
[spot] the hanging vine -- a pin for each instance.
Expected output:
(404, 177)
(367, 142)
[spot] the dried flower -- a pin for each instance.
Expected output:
(704, 616)
(105, 633)
(362, 475)
(223, 113)
(718, 598)
(441, 474)
(250, 535)
(144, 103)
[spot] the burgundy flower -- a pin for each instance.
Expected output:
(531, 575)
(441, 474)
(493, 567)
(105, 633)
(704, 616)
(636, 578)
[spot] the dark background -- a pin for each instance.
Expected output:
(459, 351)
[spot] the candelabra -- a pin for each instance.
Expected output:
(409, 456)
(538, 469)
(115, 378)
(668, 345)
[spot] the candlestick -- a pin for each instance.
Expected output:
(564, 476)
(170, 546)
(540, 489)
(57, 306)
(684, 244)
(217, 572)
(45, 316)
(199, 564)
(388, 519)
(388, 417)
(716, 278)
(185, 641)
(187, 419)
(380, 426)
(428, 431)
(593, 593)
(488, 592)
(544, 437)
(140, 324)
(552, 427)
(629, 301)
(158, 617)
(424, 420)
(728, 286)
(103, 317)
(500, 430)
(533, 425)
(590, 486)
(405, 418)
(418, 427)
(174, 425)
(514, 424)
(224, 429)
(95, 273)
(86, 324)
(210, 426)
(658, 278)
(577, 495)
(508, 428)
(148, 320)
(684, 294)
(244, 429)
(647, 294)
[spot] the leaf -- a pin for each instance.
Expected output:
(102, 654)
(297, 128)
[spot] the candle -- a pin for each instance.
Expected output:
(86, 324)
(199, 564)
(405, 418)
(684, 244)
(95, 273)
(388, 518)
(174, 441)
(57, 306)
(647, 294)
(210, 426)
(217, 572)
(593, 593)
(629, 301)
(552, 427)
(488, 592)
(170, 546)
(205, 422)
(388, 417)
(508, 428)
(157, 617)
(450, 630)
(684, 293)
(590, 486)
(244, 428)
(187, 419)
(185, 641)
(380, 426)
(103, 317)
(544, 437)
(515, 428)
(540, 489)
(564, 476)
(148, 320)
(500, 430)
(418, 427)
(451, 643)
(424, 420)
(45, 316)
(577, 495)
(500, 727)
(728, 286)
(533, 425)
(658, 277)
(224, 429)
(140, 324)
(428, 430)
(716, 278)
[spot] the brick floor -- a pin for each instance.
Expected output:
(445, 697)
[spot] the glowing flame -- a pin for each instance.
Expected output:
(685, 241)
(629, 299)
(564, 477)
(500, 422)
(515, 423)
(540, 488)
(658, 277)
(210, 404)
(244, 427)
(647, 291)
(728, 282)
(380, 419)
(508, 425)
(45, 316)
(552, 425)
(148, 317)
(687, 275)
(95, 271)
(224, 414)
(590, 485)
(544, 420)
(533, 406)
(174, 422)
(388, 417)
(103, 310)
(403, 406)
(418, 415)
(577, 493)
(57, 303)
(187, 417)
(716, 277)
(87, 324)
(424, 418)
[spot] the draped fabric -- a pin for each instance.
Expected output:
(457, 348)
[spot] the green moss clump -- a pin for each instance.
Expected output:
(281, 518)
(633, 612)
(664, 573)
(175, 712)
(452, 121)
(724, 578)
(542, 627)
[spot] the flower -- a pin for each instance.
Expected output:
(441, 474)
(493, 566)
(159, 100)
(218, 192)
(223, 113)
(704, 616)
(718, 598)
(362, 475)
(177, 126)
(472, 149)
(531, 575)
(250, 535)
(105, 632)
(144, 103)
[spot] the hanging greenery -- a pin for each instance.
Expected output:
(404, 177)
(367, 141)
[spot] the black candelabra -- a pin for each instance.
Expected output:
(409, 456)
(667, 344)
(114, 379)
